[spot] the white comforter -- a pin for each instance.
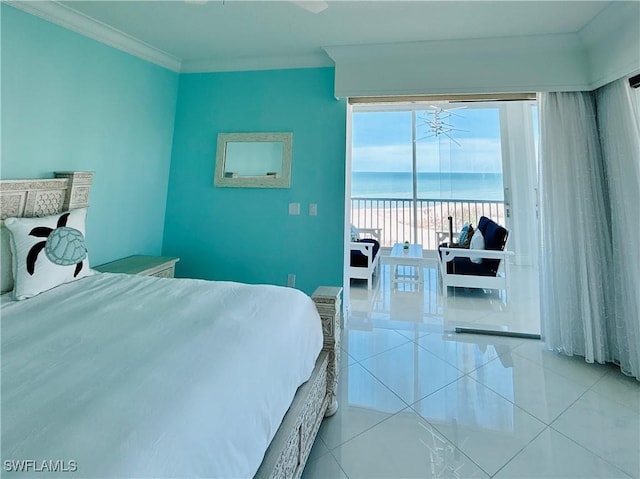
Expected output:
(147, 377)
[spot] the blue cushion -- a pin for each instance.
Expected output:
(358, 258)
(495, 236)
(488, 267)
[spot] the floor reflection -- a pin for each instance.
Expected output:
(429, 308)
(417, 399)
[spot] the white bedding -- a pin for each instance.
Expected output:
(134, 376)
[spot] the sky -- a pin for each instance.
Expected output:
(382, 142)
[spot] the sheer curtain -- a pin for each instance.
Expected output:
(575, 253)
(620, 139)
(589, 175)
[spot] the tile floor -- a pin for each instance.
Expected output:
(460, 307)
(419, 401)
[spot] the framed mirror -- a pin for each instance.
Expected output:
(253, 160)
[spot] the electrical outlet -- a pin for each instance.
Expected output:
(313, 209)
(291, 280)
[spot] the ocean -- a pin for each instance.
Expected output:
(467, 186)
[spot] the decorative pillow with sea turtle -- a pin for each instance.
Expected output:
(47, 252)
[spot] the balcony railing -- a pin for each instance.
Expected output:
(395, 219)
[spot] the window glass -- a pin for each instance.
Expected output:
(382, 155)
(459, 154)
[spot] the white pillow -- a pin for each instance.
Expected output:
(47, 252)
(355, 234)
(477, 242)
(6, 264)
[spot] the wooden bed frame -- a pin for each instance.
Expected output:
(288, 452)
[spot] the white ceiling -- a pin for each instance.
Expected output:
(275, 33)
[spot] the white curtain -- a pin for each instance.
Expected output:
(589, 220)
(575, 287)
(620, 139)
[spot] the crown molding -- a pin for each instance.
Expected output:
(607, 41)
(256, 63)
(66, 17)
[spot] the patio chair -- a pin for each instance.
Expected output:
(364, 257)
(478, 268)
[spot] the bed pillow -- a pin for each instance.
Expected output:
(6, 266)
(477, 242)
(47, 252)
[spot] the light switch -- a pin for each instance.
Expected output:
(313, 209)
(294, 208)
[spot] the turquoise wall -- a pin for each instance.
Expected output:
(71, 103)
(246, 234)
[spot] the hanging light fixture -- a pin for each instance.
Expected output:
(438, 122)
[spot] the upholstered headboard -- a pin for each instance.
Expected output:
(33, 198)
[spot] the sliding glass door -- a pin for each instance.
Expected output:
(459, 167)
(414, 165)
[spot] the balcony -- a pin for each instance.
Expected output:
(424, 221)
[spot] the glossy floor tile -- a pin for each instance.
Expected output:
(416, 399)
(485, 426)
(363, 344)
(430, 307)
(493, 310)
(363, 402)
(617, 387)
(411, 371)
(553, 455)
(468, 352)
(573, 368)
(318, 450)
(608, 429)
(404, 446)
(346, 359)
(325, 467)
(539, 391)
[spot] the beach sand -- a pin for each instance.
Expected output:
(395, 219)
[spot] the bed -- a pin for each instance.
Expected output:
(125, 376)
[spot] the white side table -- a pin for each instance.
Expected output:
(409, 257)
(159, 266)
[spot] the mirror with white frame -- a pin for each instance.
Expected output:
(253, 160)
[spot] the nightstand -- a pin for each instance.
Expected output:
(159, 266)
